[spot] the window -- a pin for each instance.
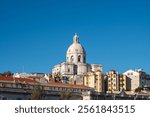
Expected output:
(50, 88)
(64, 89)
(11, 85)
(71, 58)
(56, 88)
(79, 58)
(68, 69)
(3, 85)
(59, 89)
(17, 85)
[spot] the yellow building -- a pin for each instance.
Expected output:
(94, 80)
(122, 82)
(115, 82)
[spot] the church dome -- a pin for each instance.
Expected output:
(76, 47)
(76, 52)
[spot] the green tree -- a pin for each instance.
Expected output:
(7, 73)
(66, 95)
(138, 90)
(37, 93)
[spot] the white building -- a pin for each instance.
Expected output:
(75, 65)
(39, 77)
(21, 75)
(137, 78)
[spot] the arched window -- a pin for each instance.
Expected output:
(68, 69)
(79, 58)
(71, 58)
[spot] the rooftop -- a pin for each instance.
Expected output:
(12, 79)
(67, 85)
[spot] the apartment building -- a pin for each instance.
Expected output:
(115, 82)
(94, 80)
(137, 78)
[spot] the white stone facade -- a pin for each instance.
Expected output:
(137, 78)
(75, 65)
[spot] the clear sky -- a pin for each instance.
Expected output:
(35, 34)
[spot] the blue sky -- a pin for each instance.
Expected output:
(36, 33)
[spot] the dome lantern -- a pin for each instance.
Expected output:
(76, 38)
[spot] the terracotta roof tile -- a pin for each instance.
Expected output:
(25, 80)
(67, 85)
(3, 78)
(35, 77)
(12, 79)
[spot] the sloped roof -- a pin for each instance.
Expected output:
(12, 79)
(67, 85)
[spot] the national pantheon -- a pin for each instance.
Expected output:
(75, 66)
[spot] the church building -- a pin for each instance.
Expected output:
(75, 65)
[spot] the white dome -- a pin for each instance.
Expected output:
(76, 52)
(76, 48)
